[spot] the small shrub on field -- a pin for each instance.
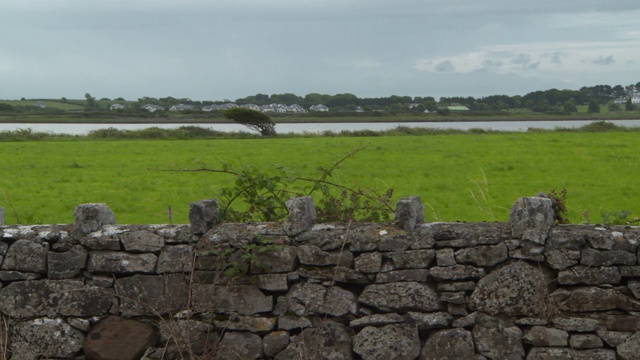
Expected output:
(623, 217)
(600, 126)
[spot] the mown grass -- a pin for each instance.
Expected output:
(460, 176)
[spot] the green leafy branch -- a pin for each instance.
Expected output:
(260, 195)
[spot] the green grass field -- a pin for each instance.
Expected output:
(460, 177)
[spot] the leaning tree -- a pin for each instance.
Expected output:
(252, 119)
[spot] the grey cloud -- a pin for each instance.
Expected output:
(524, 61)
(521, 59)
(206, 49)
(492, 64)
(533, 66)
(604, 60)
(445, 66)
(556, 58)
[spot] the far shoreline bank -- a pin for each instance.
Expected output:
(283, 120)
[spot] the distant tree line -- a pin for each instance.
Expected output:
(549, 101)
(552, 100)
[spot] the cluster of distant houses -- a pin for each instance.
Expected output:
(635, 99)
(279, 108)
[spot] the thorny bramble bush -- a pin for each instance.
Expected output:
(260, 195)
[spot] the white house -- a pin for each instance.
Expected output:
(116, 107)
(219, 107)
(251, 106)
(181, 107)
(319, 107)
(152, 107)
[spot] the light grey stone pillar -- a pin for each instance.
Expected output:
(302, 215)
(409, 213)
(531, 219)
(203, 216)
(1, 215)
(91, 217)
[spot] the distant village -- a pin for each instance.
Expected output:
(613, 98)
(277, 108)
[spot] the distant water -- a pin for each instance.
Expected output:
(299, 128)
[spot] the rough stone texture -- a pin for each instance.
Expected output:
(576, 296)
(376, 320)
(188, 335)
(313, 255)
(302, 215)
(307, 298)
(142, 241)
(531, 219)
(1, 215)
(293, 322)
(630, 349)
(634, 286)
(52, 298)
(121, 263)
(273, 282)
(241, 299)
(27, 256)
(570, 354)
(449, 344)
(544, 336)
(203, 216)
(409, 213)
(240, 345)
(252, 324)
(329, 340)
(428, 321)
(592, 257)
(589, 276)
(328, 237)
(585, 341)
(497, 338)
(488, 255)
(115, 338)
(391, 342)
(369, 262)
(68, 264)
(456, 272)
(419, 275)
(151, 294)
(411, 259)
(91, 217)
(274, 342)
(175, 258)
(105, 238)
(516, 289)
(445, 257)
(400, 296)
(277, 260)
(614, 338)
(338, 273)
(380, 237)
(561, 259)
(17, 275)
(587, 299)
(621, 322)
(45, 337)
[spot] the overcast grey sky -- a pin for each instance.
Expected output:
(227, 49)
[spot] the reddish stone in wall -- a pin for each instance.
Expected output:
(115, 338)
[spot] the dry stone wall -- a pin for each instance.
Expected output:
(526, 289)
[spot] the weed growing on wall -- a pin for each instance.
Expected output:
(559, 200)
